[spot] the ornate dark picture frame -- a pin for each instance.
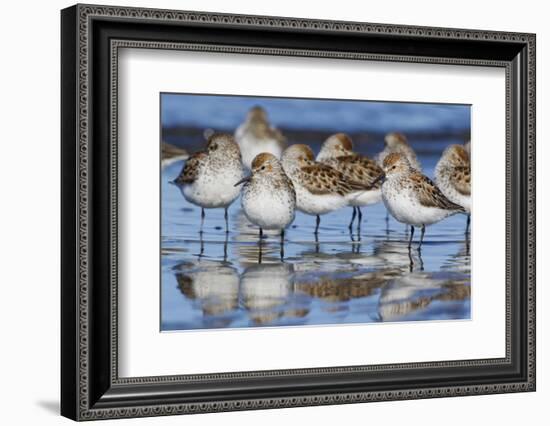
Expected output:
(91, 37)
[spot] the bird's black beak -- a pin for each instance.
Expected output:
(243, 180)
(380, 177)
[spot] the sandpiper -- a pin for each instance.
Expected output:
(337, 152)
(207, 177)
(452, 176)
(320, 189)
(268, 196)
(411, 197)
(397, 142)
(256, 135)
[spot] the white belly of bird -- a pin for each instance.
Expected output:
(213, 191)
(404, 207)
(251, 147)
(268, 210)
(313, 204)
(365, 198)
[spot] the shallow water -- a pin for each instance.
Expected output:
(216, 281)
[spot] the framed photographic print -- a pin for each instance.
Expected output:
(263, 212)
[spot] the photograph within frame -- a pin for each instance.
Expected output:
(345, 271)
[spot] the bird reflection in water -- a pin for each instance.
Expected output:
(251, 250)
(406, 296)
(337, 293)
(267, 293)
(355, 241)
(213, 286)
(461, 260)
(201, 254)
(399, 254)
(412, 262)
(346, 287)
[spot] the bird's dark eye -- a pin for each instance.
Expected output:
(214, 147)
(393, 167)
(262, 168)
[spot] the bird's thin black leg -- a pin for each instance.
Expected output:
(282, 244)
(468, 225)
(201, 253)
(260, 245)
(317, 248)
(202, 220)
(356, 245)
(226, 217)
(359, 219)
(422, 231)
(420, 260)
(225, 247)
(317, 222)
(352, 219)
(411, 237)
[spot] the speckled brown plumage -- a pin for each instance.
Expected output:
(358, 169)
(191, 169)
(460, 179)
(429, 194)
(263, 130)
(453, 175)
(322, 179)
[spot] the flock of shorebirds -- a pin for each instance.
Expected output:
(274, 180)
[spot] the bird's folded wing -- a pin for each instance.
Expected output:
(359, 169)
(322, 179)
(191, 168)
(429, 194)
